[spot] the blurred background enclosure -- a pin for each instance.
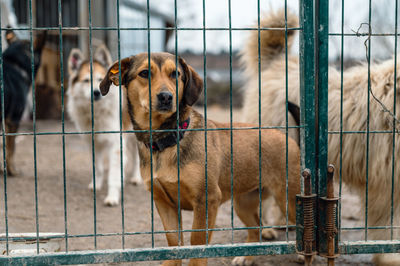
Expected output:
(211, 47)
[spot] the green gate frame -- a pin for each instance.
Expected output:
(321, 127)
(314, 34)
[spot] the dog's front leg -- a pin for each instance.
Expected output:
(201, 222)
(99, 165)
(10, 148)
(168, 212)
(114, 175)
(99, 172)
(136, 176)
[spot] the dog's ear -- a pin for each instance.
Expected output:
(103, 56)
(10, 36)
(74, 61)
(112, 75)
(193, 84)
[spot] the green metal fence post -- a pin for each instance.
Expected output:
(394, 120)
(368, 120)
(3, 124)
(92, 125)
(307, 82)
(121, 145)
(321, 98)
(150, 123)
(34, 125)
(321, 89)
(307, 132)
(60, 25)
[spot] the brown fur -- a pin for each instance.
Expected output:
(192, 153)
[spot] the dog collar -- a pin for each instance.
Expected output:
(171, 139)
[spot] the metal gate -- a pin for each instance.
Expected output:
(315, 121)
(314, 35)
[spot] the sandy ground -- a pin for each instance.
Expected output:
(80, 209)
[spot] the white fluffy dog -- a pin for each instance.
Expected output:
(355, 93)
(106, 118)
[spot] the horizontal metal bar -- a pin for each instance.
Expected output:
(196, 129)
(189, 231)
(127, 4)
(142, 131)
(369, 228)
(149, 232)
(362, 132)
(147, 254)
(369, 247)
(362, 34)
(144, 28)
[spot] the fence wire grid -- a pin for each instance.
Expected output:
(313, 128)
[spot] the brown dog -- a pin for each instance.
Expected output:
(164, 94)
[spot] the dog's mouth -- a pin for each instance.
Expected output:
(157, 107)
(164, 108)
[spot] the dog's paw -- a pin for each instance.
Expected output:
(11, 171)
(269, 234)
(111, 200)
(300, 259)
(136, 180)
(242, 261)
(171, 263)
(387, 259)
(98, 186)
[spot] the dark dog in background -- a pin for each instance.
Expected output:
(17, 78)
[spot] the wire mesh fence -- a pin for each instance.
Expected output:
(320, 136)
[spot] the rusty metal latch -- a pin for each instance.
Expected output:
(305, 220)
(308, 242)
(329, 221)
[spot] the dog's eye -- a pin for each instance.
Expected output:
(173, 74)
(144, 73)
(86, 80)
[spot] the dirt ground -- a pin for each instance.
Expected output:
(137, 206)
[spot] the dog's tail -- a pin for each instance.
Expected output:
(294, 110)
(272, 42)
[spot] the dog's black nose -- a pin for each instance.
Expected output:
(96, 95)
(164, 100)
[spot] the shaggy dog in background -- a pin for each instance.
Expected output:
(106, 118)
(355, 101)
